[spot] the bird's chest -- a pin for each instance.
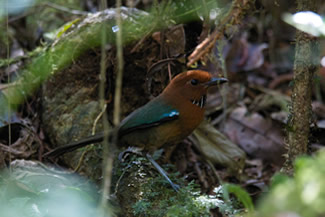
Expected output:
(191, 115)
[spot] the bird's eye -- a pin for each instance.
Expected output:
(194, 82)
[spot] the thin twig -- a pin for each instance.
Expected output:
(107, 162)
(9, 108)
(108, 154)
(120, 63)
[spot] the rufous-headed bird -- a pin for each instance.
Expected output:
(168, 118)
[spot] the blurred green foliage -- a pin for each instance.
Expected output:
(34, 190)
(304, 194)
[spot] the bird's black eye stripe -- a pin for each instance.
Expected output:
(194, 82)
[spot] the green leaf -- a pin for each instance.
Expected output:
(67, 26)
(241, 194)
(278, 179)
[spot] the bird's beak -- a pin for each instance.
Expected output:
(216, 81)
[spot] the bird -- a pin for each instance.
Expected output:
(168, 118)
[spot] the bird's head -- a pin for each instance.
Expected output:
(193, 85)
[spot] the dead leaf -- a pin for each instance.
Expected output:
(217, 147)
(269, 98)
(260, 137)
(244, 56)
(318, 109)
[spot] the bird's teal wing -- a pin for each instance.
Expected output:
(153, 113)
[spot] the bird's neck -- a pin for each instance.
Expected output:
(182, 103)
(190, 114)
(175, 97)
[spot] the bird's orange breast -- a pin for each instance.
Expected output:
(190, 115)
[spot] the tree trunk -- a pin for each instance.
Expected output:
(306, 57)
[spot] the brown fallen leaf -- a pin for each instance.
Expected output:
(269, 98)
(241, 55)
(217, 148)
(260, 137)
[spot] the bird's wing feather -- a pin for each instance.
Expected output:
(153, 113)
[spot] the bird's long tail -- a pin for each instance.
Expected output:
(99, 137)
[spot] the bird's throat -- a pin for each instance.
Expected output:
(201, 102)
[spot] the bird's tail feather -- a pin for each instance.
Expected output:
(99, 137)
